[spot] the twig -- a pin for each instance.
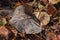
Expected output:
(38, 36)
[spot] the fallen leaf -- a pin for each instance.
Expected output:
(51, 10)
(4, 32)
(51, 36)
(54, 1)
(58, 36)
(43, 17)
(22, 23)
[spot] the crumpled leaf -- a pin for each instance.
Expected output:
(22, 23)
(43, 17)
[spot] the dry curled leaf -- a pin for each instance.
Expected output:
(43, 17)
(54, 1)
(22, 23)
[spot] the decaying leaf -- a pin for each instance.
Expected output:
(54, 1)
(6, 12)
(28, 9)
(43, 17)
(32, 3)
(58, 36)
(24, 23)
(3, 22)
(3, 33)
(51, 10)
(18, 4)
(36, 13)
(38, 19)
(51, 36)
(40, 6)
(44, 2)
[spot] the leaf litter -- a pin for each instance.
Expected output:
(30, 20)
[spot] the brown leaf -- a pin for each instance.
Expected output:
(51, 36)
(54, 1)
(58, 36)
(18, 4)
(51, 9)
(43, 17)
(4, 32)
